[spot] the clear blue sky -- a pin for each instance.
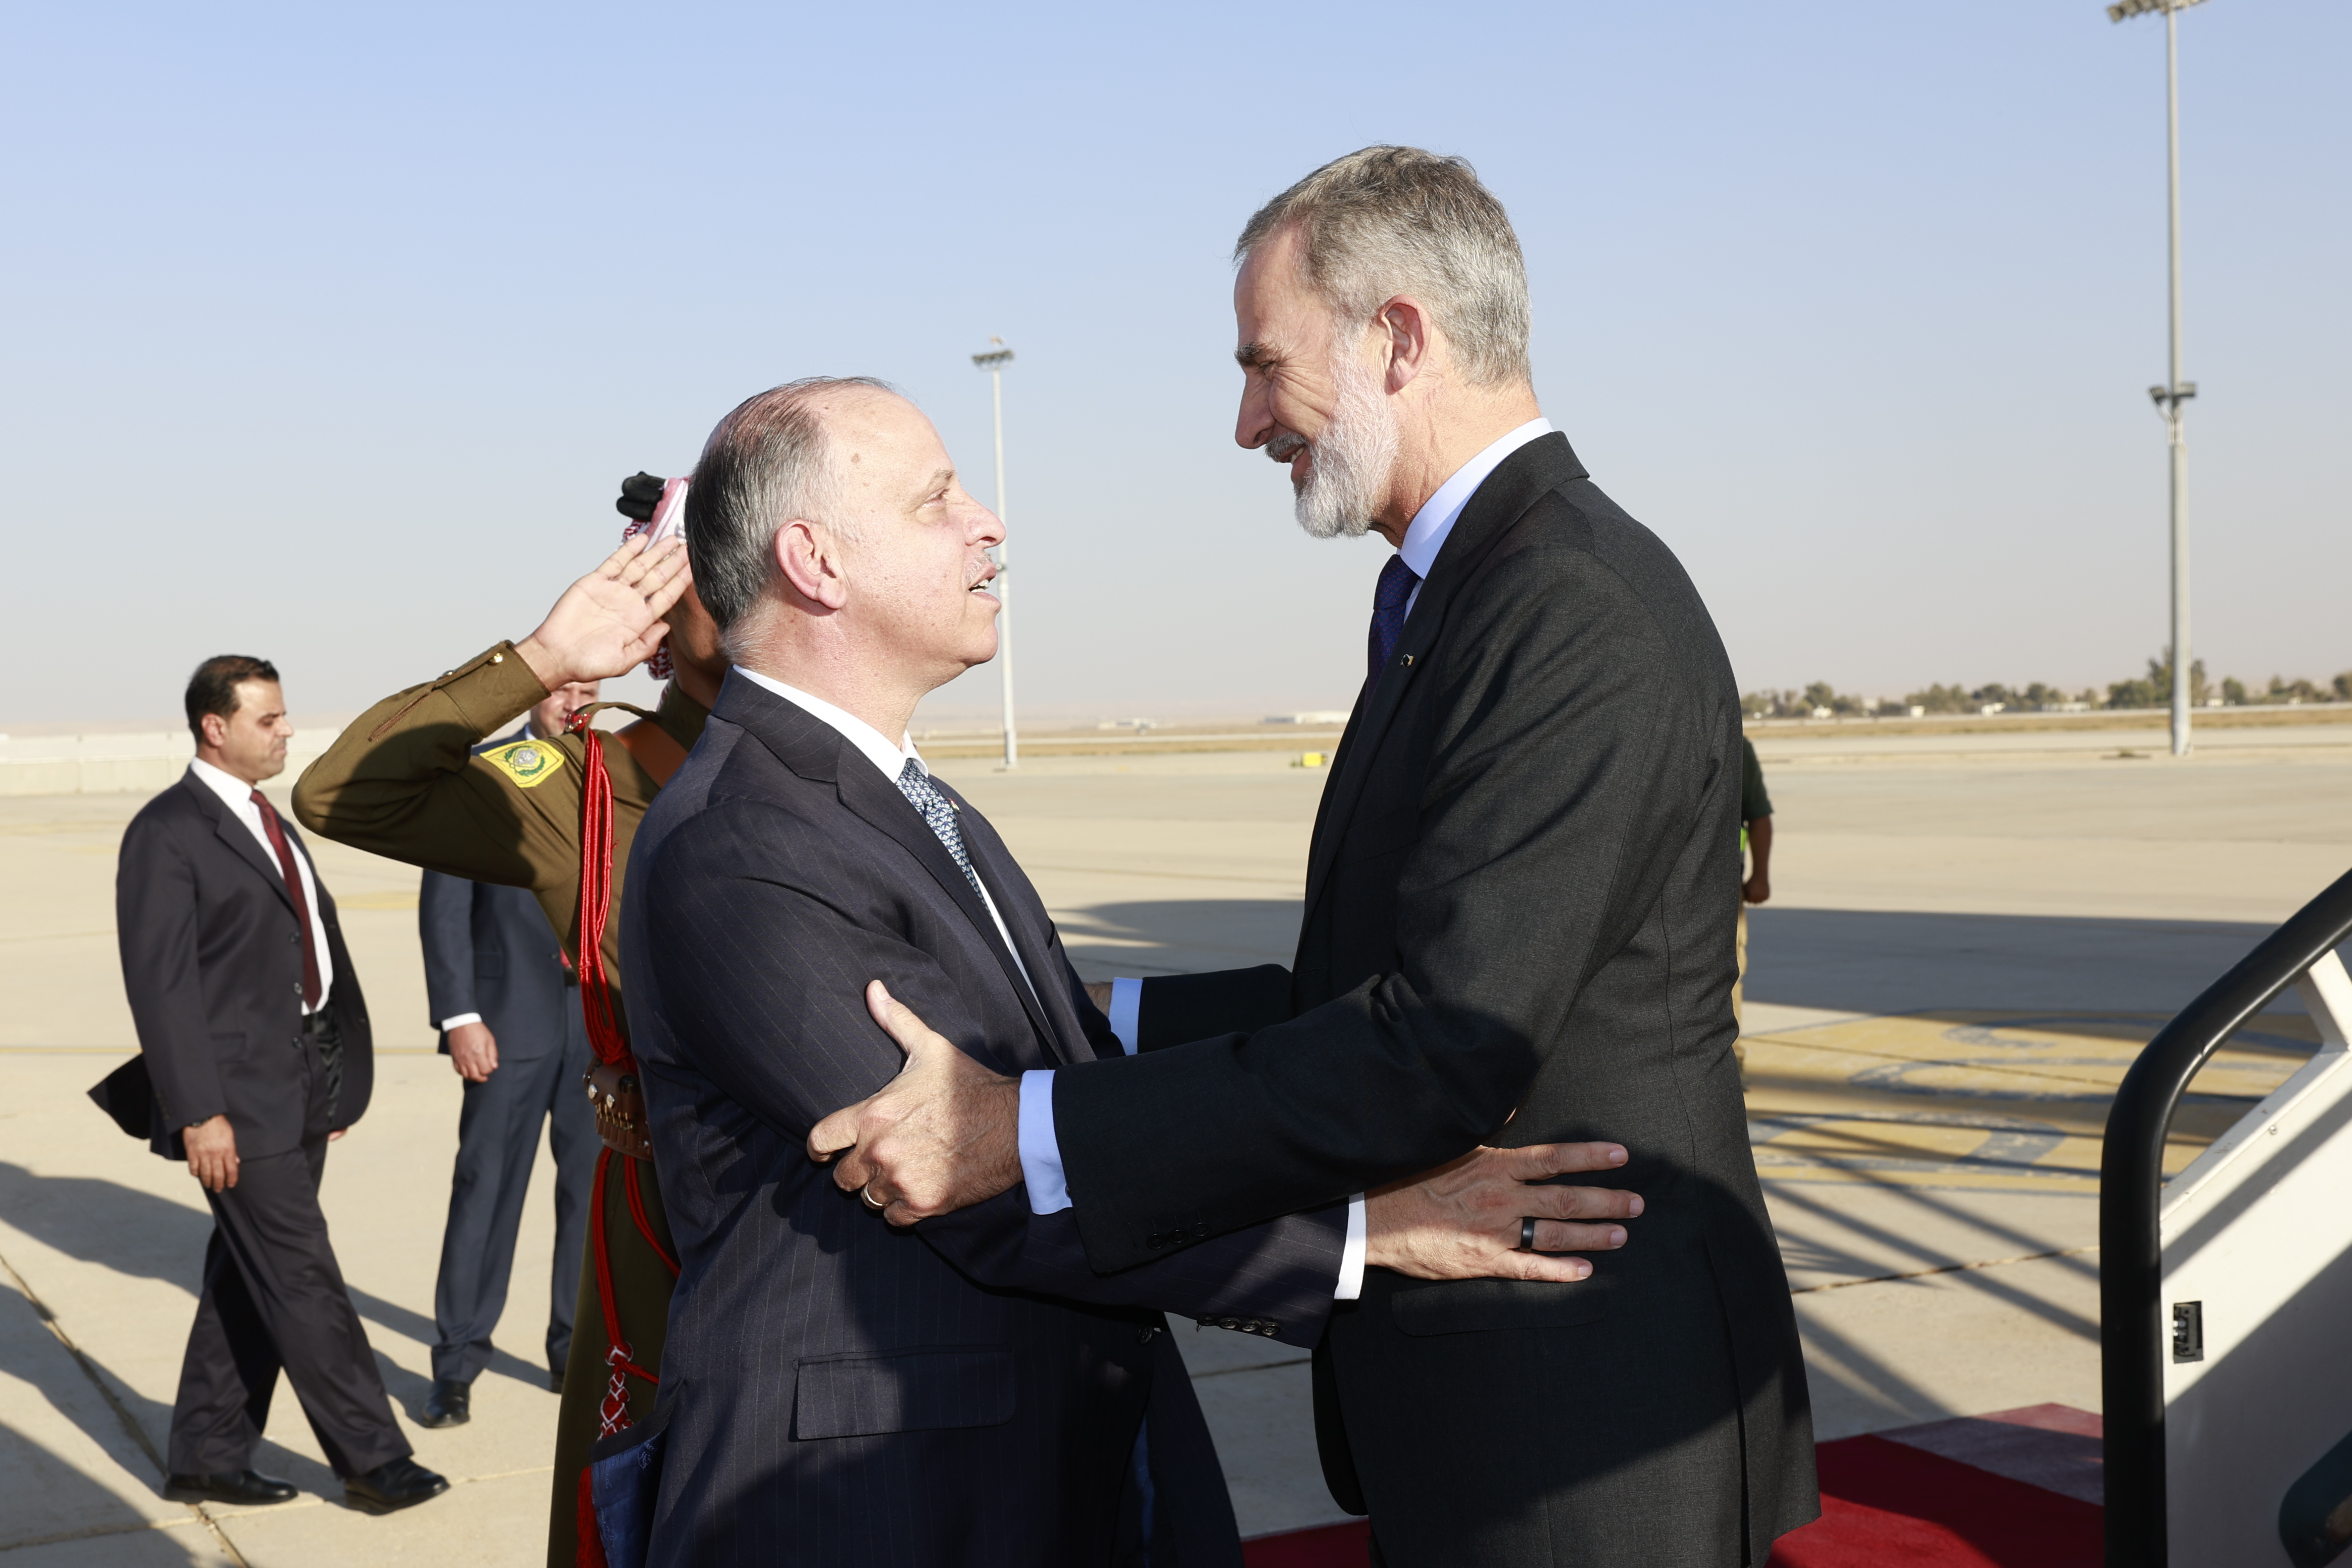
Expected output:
(328, 331)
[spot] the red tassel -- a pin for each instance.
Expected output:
(597, 897)
(592, 1544)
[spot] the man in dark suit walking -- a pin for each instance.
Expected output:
(254, 1042)
(507, 1001)
(833, 1389)
(1520, 898)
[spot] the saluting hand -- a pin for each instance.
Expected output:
(945, 1135)
(610, 621)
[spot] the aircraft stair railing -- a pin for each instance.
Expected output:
(2226, 1293)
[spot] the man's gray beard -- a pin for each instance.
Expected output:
(1348, 465)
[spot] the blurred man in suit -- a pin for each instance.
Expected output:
(255, 1040)
(507, 1001)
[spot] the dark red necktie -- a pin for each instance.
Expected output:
(287, 869)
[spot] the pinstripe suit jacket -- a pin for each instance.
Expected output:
(835, 1391)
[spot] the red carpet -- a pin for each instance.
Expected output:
(1889, 1499)
(1886, 1502)
(1330, 1546)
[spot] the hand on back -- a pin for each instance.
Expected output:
(1466, 1219)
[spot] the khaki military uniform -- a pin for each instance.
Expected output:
(402, 781)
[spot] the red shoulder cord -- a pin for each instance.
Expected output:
(604, 1038)
(596, 898)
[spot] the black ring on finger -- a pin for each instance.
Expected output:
(1528, 1234)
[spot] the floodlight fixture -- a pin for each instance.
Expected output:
(2175, 391)
(993, 360)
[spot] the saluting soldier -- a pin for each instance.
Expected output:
(405, 781)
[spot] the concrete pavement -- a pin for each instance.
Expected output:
(1964, 944)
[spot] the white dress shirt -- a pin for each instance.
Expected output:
(238, 796)
(892, 761)
(1040, 1146)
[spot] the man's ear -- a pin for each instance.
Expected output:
(1406, 327)
(810, 559)
(216, 729)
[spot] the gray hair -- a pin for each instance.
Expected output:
(1396, 220)
(768, 462)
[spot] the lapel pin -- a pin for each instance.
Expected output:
(1406, 660)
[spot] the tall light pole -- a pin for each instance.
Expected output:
(994, 361)
(2175, 392)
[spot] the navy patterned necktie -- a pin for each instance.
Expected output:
(925, 796)
(1389, 600)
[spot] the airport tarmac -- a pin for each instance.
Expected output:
(1968, 939)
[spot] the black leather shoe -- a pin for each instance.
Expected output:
(395, 1484)
(250, 1487)
(451, 1404)
(554, 1380)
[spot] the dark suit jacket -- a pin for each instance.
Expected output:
(835, 1391)
(212, 958)
(1520, 897)
(489, 950)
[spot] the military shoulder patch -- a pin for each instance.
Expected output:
(528, 763)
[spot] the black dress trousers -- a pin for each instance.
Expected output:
(274, 1301)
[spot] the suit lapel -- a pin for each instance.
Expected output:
(866, 792)
(817, 751)
(1515, 485)
(238, 837)
(1026, 917)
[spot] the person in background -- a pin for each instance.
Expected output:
(256, 1053)
(507, 1003)
(409, 780)
(1756, 838)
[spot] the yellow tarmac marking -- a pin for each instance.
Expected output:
(1994, 1101)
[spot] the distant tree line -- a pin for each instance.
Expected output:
(2154, 689)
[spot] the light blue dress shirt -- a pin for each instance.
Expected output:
(1040, 1146)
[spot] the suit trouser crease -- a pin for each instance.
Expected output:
(498, 1142)
(274, 1299)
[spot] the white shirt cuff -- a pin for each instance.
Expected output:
(1041, 1150)
(454, 1019)
(1126, 1004)
(1352, 1254)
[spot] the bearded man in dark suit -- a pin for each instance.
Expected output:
(1519, 912)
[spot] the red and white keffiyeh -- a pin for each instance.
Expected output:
(668, 521)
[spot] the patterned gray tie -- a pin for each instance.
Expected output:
(925, 796)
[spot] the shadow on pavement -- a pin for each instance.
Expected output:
(138, 1234)
(1179, 936)
(1856, 960)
